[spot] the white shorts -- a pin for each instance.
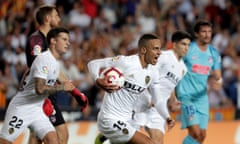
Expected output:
(150, 119)
(117, 131)
(18, 118)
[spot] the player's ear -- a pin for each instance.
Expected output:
(53, 40)
(143, 50)
(174, 44)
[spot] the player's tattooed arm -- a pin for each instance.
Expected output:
(42, 88)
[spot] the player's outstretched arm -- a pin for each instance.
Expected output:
(43, 89)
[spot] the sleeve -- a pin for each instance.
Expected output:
(95, 66)
(160, 101)
(40, 67)
(217, 60)
(34, 47)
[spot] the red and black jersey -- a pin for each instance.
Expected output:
(36, 44)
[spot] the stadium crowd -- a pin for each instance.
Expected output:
(105, 28)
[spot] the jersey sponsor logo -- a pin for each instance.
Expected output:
(133, 88)
(51, 82)
(200, 69)
(37, 49)
(45, 69)
(172, 77)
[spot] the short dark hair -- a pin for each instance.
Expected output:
(53, 33)
(201, 23)
(145, 38)
(179, 35)
(42, 12)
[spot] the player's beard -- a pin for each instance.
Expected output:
(53, 25)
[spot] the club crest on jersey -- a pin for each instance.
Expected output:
(194, 57)
(125, 131)
(11, 130)
(210, 59)
(147, 79)
(37, 50)
(45, 69)
(115, 58)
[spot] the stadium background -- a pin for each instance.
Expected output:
(102, 28)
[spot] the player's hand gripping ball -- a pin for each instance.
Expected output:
(115, 76)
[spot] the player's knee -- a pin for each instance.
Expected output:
(62, 135)
(203, 136)
(196, 135)
(51, 138)
(158, 141)
(63, 140)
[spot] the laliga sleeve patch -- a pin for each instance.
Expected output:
(37, 49)
(45, 69)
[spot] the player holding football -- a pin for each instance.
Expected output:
(171, 69)
(203, 62)
(116, 111)
(25, 109)
(47, 17)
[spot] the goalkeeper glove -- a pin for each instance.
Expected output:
(80, 98)
(48, 108)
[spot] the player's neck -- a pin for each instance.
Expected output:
(44, 29)
(142, 61)
(54, 53)
(177, 56)
(202, 46)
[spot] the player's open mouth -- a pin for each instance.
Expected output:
(156, 58)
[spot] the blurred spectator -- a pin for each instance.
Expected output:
(3, 86)
(10, 80)
(90, 7)
(218, 99)
(78, 16)
(211, 11)
(231, 68)
(221, 40)
(235, 40)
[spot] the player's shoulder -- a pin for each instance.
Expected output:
(166, 53)
(44, 54)
(36, 36)
(212, 48)
(130, 58)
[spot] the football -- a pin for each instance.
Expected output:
(115, 75)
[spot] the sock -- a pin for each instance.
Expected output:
(189, 140)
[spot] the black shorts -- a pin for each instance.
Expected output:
(57, 118)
